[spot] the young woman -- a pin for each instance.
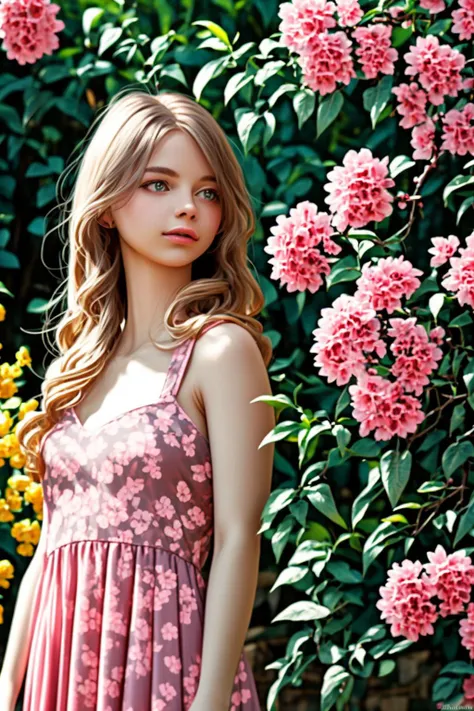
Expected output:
(113, 612)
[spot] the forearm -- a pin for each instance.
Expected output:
(19, 640)
(229, 603)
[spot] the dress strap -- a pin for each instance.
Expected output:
(179, 362)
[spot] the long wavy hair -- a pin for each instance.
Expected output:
(222, 285)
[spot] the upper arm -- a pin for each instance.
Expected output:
(232, 373)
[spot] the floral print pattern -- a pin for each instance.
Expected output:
(119, 612)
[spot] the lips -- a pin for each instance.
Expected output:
(184, 232)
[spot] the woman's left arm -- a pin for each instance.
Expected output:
(233, 374)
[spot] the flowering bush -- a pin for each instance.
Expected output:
(354, 126)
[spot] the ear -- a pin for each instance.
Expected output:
(106, 220)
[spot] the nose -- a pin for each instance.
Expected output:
(188, 209)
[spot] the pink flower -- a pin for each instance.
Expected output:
(437, 66)
(460, 277)
(466, 630)
(28, 29)
(433, 6)
(464, 20)
(416, 355)
(304, 20)
(453, 576)
(423, 140)
(348, 330)
(375, 52)
(326, 61)
(296, 247)
(468, 688)
(349, 12)
(358, 190)
(458, 131)
(384, 284)
(383, 408)
(437, 335)
(443, 250)
(412, 104)
(405, 602)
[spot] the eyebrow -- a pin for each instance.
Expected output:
(174, 174)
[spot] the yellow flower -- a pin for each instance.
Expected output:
(26, 531)
(15, 370)
(6, 573)
(5, 513)
(1, 614)
(8, 388)
(6, 422)
(23, 356)
(34, 495)
(18, 460)
(3, 311)
(27, 406)
(14, 501)
(19, 482)
(9, 445)
(25, 549)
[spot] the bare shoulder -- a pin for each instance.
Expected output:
(226, 354)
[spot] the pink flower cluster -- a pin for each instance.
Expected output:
(438, 68)
(349, 341)
(297, 247)
(348, 331)
(349, 12)
(383, 407)
(28, 29)
(358, 190)
(464, 20)
(384, 284)
(433, 6)
(458, 131)
(405, 600)
(417, 355)
(412, 104)
(375, 51)
(443, 249)
(327, 61)
(460, 277)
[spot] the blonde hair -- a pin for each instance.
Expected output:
(222, 284)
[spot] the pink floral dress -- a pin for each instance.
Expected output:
(119, 614)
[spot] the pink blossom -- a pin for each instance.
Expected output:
(303, 21)
(348, 330)
(460, 277)
(375, 52)
(438, 68)
(296, 247)
(416, 355)
(412, 104)
(384, 284)
(28, 29)
(443, 250)
(358, 190)
(453, 576)
(423, 140)
(405, 601)
(437, 335)
(327, 60)
(466, 630)
(464, 20)
(382, 407)
(433, 6)
(458, 131)
(349, 12)
(468, 688)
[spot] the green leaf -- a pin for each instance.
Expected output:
(400, 164)
(281, 536)
(335, 678)
(342, 402)
(303, 610)
(385, 534)
(9, 260)
(366, 447)
(322, 499)
(436, 303)
(303, 103)
(37, 306)
(376, 98)
(366, 496)
(395, 468)
(466, 521)
(456, 455)
(216, 30)
(343, 572)
(400, 35)
(328, 110)
(90, 19)
(460, 321)
(457, 183)
(209, 71)
(235, 83)
(345, 269)
(108, 37)
(289, 576)
(465, 205)
(246, 120)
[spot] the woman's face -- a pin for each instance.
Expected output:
(177, 190)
